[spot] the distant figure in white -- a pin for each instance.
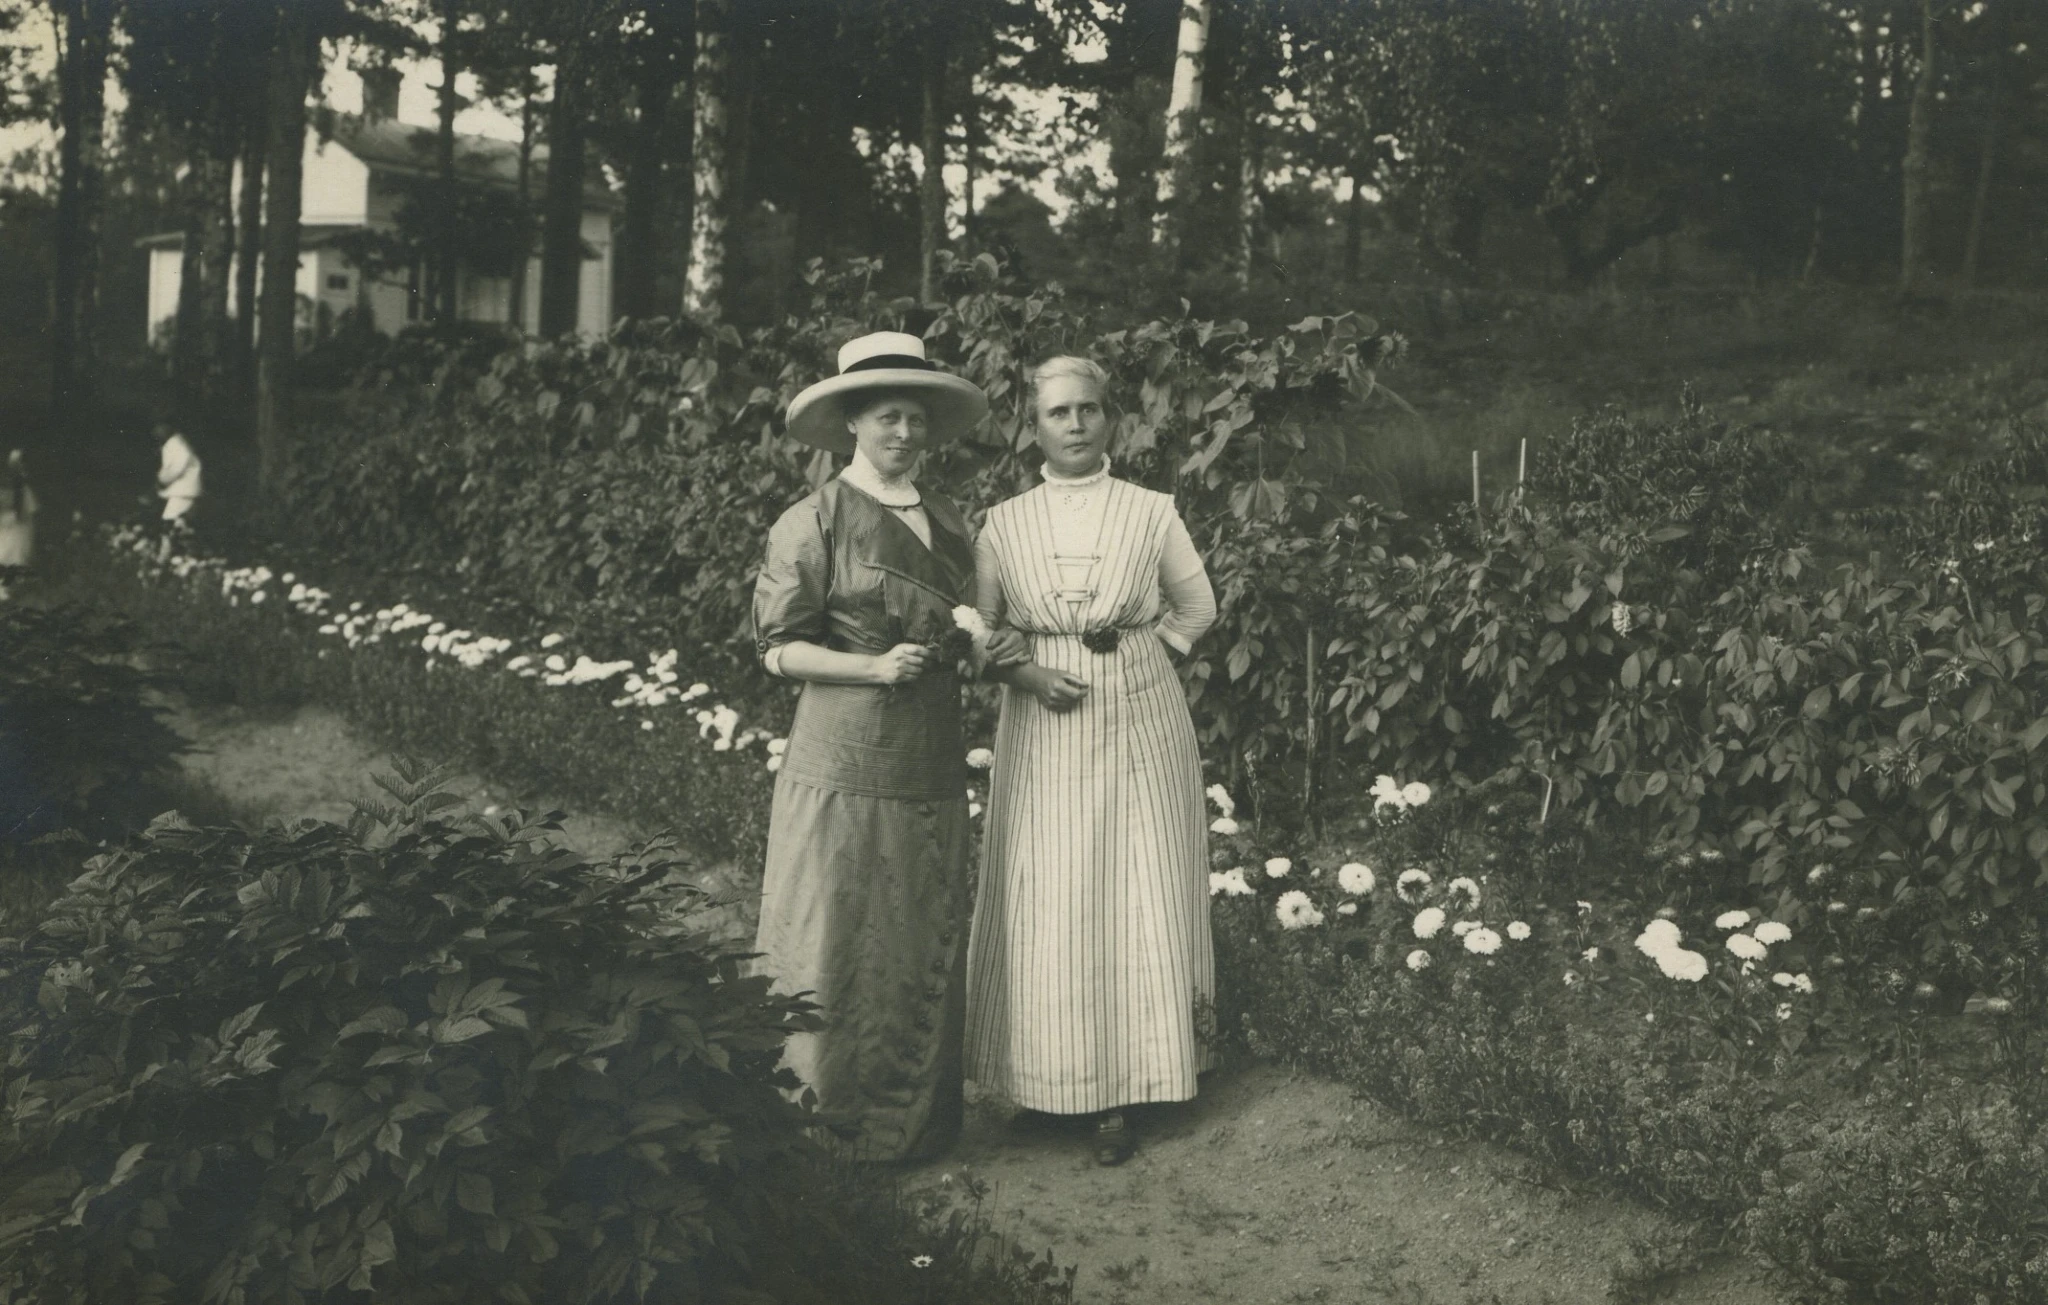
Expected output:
(17, 514)
(177, 474)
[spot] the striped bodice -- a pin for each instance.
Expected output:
(1113, 581)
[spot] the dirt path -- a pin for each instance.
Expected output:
(1271, 1187)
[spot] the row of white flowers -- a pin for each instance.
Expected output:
(645, 689)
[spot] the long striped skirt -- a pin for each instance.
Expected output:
(1089, 964)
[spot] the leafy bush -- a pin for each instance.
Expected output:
(439, 1060)
(78, 737)
(1463, 985)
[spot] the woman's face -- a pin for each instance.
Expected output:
(891, 431)
(1073, 430)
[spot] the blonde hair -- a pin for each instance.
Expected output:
(1086, 369)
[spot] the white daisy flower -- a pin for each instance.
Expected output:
(1782, 979)
(1428, 922)
(1784, 1010)
(1466, 886)
(1463, 927)
(1355, 878)
(1657, 937)
(1683, 965)
(1231, 883)
(1518, 930)
(1731, 919)
(1415, 794)
(1411, 884)
(1771, 931)
(1482, 942)
(980, 759)
(1748, 948)
(1296, 911)
(1220, 795)
(1223, 825)
(1277, 867)
(1418, 960)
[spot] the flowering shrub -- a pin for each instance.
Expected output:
(1701, 1054)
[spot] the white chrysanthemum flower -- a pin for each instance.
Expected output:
(1657, 937)
(1748, 948)
(774, 763)
(1771, 931)
(1466, 887)
(1418, 960)
(1223, 825)
(1221, 797)
(970, 620)
(1518, 930)
(1411, 884)
(1463, 927)
(1784, 1010)
(1277, 867)
(1682, 964)
(1782, 979)
(1231, 883)
(1296, 911)
(920, 1261)
(980, 759)
(776, 747)
(550, 640)
(1355, 878)
(1386, 792)
(1731, 919)
(1347, 908)
(1801, 983)
(1415, 794)
(1482, 942)
(1428, 921)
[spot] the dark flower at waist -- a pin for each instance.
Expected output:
(1103, 639)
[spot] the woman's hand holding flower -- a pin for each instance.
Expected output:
(902, 664)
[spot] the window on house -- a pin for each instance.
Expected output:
(337, 280)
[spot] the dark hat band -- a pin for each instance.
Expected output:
(896, 361)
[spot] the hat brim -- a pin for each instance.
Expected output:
(953, 406)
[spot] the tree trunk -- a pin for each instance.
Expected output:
(81, 107)
(932, 191)
(1354, 231)
(217, 260)
(1987, 154)
(185, 322)
(561, 242)
(249, 230)
(292, 66)
(1918, 167)
(1183, 119)
(447, 229)
(704, 282)
(1246, 216)
(516, 309)
(640, 247)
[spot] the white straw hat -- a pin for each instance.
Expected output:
(891, 360)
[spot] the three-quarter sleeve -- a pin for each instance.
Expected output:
(1184, 584)
(795, 580)
(988, 580)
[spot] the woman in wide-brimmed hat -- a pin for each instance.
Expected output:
(864, 901)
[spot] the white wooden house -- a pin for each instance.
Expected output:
(356, 177)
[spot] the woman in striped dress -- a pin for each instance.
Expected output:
(1090, 956)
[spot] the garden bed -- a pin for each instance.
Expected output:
(1865, 1135)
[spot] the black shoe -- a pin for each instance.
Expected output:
(1113, 1140)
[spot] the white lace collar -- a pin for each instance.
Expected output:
(897, 492)
(1089, 481)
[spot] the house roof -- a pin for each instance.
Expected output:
(312, 235)
(402, 147)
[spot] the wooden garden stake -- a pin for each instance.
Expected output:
(1308, 765)
(1522, 468)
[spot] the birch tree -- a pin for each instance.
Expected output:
(704, 282)
(1183, 119)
